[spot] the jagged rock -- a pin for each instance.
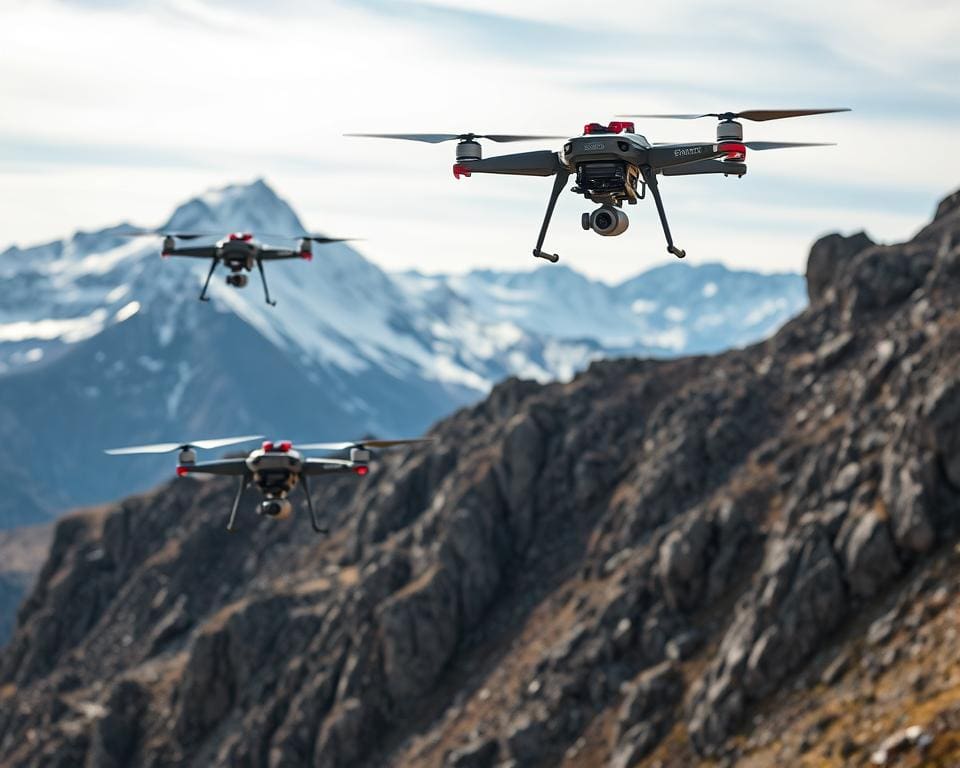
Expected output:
(827, 259)
(481, 753)
(682, 563)
(870, 559)
(116, 733)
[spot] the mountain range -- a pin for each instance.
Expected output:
(102, 344)
(746, 559)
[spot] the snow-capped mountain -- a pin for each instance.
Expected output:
(102, 344)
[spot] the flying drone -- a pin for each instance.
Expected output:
(613, 164)
(275, 468)
(238, 251)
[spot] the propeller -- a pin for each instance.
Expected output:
(361, 444)
(320, 239)
(757, 115)
(761, 145)
(436, 138)
(171, 447)
(160, 233)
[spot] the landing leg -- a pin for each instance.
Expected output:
(650, 176)
(266, 291)
(313, 514)
(203, 293)
(236, 503)
(558, 184)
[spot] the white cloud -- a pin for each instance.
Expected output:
(120, 112)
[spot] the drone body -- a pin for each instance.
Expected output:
(612, 164)
(275, 468)
(239, 252)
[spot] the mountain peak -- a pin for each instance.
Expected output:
(254, 207)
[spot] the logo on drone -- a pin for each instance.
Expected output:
(687, 151)
(594, 146)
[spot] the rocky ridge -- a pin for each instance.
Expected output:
(745, 559)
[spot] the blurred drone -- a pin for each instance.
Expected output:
(613, 164)
(238, 251)
(275, 468)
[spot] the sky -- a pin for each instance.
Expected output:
(114, 110)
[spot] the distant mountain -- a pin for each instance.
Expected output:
(101, 344)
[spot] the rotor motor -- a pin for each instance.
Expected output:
(606, 220)
(187, 456)
(360, 455)
(469, 149)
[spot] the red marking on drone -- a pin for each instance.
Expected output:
(306, 255)
(615, 127)
(460, 169)
(182, 471)
(267, 446)
(165, 255)
(361, 470)
(245, 237)
(285, 446)
(734, 150)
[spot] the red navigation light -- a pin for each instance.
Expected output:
(615, 127)
(361, 469)
(267, 446)
(182, 471)
(306, 255)
(245, 237)
(734, 150)
(461, 169)
(165, 255)
(285, 446)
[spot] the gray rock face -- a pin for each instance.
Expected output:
(826, 261)
(582, 571)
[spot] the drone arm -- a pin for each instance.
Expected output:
(327, 466)
(222, 467)
(275, 254)
(540, 163)
(558, 184)
(667, 155)
(314, 520)
(725, 167)
(194, 251)
(650, 177)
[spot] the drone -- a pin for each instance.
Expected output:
(275, 468)
(238, 251)
(613, 164)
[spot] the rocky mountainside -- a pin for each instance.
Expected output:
(742, 559)
(102, 344)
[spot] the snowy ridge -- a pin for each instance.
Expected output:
(102, 343)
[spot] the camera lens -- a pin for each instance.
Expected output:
(604, 220)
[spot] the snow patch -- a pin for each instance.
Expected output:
(127, 311)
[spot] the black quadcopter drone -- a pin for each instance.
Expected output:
(275, 468)
(613, 164)
(238, 251)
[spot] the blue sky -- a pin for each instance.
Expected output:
(117, 110)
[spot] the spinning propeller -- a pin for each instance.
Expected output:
(729, 129)
(361, 445)
(436, 138)
(171, 447)
(757, 115)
